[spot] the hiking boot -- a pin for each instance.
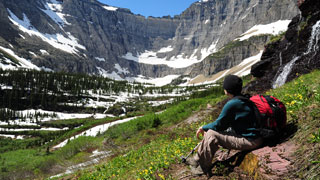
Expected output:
(196, 170)
(192, 162)
(208, 174)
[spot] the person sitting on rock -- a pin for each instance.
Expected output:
(233, 129)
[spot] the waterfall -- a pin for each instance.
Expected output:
(312, 47)
(282, 78)
(280, 57)
(313, 42)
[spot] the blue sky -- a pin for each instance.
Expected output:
(156, 8)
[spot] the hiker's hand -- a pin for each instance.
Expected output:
(200, 131)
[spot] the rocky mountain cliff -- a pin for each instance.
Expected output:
(294, 53)
(91, 37)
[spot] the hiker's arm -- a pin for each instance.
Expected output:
(224, 120)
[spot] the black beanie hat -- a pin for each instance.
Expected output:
(233, 84)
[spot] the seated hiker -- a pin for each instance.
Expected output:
(235, 115)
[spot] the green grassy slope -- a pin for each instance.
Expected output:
(150, 161)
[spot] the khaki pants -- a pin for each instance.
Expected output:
(212, 140)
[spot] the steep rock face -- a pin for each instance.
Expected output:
(105, 34)
(208, 26)
(295, 53)
(231, 55)
(88, 36)
(113, 33)
(30, 40)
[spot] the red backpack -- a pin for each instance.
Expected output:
(273, 112)
(270, 112)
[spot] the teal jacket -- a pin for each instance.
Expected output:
(237, 115)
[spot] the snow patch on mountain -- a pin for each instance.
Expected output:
(68, 44)
(156, 81)
(272, 28)
(211, 49)
(94, 131)
(150, 57)
(44, 52)
(121, 70)
(110, 8)
(53, 116)
(53, 10)
(106, 74)
(158, 103)
(12, 136)
(141, 79)
(245, 65)
(100, 59)
(241, 69)
(41, 129)
(179, 61)
(165, 49)
(22, 62)
(32, 53)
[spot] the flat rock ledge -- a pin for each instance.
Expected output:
(269, 162)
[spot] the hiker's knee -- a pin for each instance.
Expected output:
(211, 135)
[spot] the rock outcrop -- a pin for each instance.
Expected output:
(231, 55)
(215, 23)
(297, 52)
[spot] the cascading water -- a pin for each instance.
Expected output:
(312, 47)
(313, 42)
(282, 78)
(280, 56)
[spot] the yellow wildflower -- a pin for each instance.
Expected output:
(161, 176)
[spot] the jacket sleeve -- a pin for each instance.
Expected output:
(224, 120)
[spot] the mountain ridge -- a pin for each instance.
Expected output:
(101, 38)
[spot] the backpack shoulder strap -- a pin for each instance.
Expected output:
(245, 98)
(252, 105)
